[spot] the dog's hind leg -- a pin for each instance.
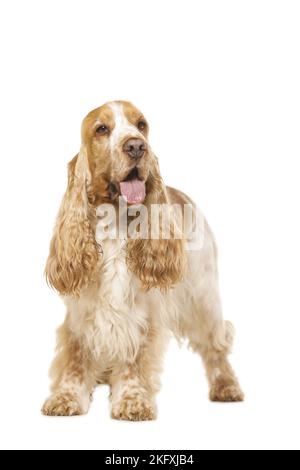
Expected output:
(212, 338)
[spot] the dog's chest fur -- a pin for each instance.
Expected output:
(111, 314)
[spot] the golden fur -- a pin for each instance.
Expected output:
(74, 252)
(123, 296)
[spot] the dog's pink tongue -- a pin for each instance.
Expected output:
(133, 191)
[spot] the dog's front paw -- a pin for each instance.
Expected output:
(134, 408)
(62, 404)
(225, 391)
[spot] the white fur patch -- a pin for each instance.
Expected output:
(123, 128)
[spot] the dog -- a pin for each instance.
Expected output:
(125, 294)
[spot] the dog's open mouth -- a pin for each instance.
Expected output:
(132, 175)
(132, 188)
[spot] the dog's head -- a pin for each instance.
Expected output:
(119, 156)
(115, 160)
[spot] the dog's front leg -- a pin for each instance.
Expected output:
(134, 386)
(72, 379)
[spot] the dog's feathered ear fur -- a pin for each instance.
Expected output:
(74, 252)
(158, 262)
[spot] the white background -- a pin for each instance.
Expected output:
(219, 82)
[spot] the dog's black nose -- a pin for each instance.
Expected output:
(135, 148)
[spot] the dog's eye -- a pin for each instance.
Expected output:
(102, 129)
(141, 125)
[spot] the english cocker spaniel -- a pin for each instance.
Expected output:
(125, 290)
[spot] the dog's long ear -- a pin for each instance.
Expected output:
(158, 262)
(74, 252)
